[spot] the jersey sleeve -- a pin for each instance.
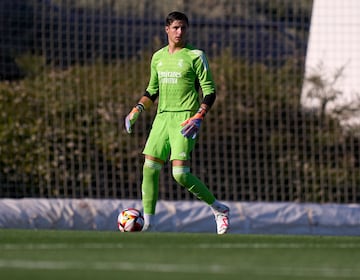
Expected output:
(153, 86)
(204, 75)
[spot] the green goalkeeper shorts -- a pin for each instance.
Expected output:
(165, 137)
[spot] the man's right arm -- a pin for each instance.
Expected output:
(144, 103)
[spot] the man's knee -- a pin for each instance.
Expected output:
(180, 174)
(151, 167)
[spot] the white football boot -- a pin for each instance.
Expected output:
(149, 221)
(222, 213)
(148, 228)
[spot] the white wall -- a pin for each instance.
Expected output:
(334, 42)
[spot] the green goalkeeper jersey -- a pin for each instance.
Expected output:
(177, 77)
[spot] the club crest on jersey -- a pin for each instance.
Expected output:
(181, 63)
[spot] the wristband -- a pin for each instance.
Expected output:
(140, 107)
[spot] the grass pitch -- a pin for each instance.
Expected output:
(45, 254)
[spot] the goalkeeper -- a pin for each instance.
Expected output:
(177, 72)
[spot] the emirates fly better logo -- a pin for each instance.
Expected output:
(169, 77)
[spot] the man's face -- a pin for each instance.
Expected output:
(176, 32)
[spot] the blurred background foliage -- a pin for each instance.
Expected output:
(61, 123)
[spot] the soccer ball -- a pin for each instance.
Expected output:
(130, 220)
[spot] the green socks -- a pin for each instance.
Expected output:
(150, 185)
(183, 176)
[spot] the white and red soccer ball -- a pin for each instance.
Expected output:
(130, 220)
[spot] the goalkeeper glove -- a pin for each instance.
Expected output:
(133, 116)
(191, 126)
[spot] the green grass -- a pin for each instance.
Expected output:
(45, 254)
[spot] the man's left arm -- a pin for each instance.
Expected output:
(191, 126)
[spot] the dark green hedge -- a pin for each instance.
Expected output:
(61, 128)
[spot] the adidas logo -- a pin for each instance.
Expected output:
(182, 154)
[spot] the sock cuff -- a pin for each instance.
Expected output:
(152, 164)
(180, 169)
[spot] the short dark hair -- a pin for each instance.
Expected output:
(176, 16)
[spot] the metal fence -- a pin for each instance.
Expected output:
(70, 72)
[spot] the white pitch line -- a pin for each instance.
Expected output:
(277, 246)
(117, 266)
(324, 272)
(65, 246)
